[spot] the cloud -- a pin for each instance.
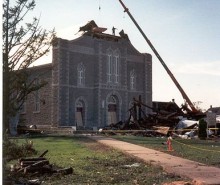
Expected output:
(70, 32)
(203, 68)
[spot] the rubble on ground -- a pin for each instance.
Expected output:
(31, 169)
(165, 117)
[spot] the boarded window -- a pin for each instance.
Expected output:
(37, 98)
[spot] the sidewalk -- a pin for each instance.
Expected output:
(199, 173)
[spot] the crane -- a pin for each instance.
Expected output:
(184, 95)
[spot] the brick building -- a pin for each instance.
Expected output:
(91, 82)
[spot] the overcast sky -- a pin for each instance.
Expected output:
(186, 33)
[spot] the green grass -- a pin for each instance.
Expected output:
(204, 151)
(94, 163)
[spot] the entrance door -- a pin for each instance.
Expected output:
(112, 110)
(79, 113)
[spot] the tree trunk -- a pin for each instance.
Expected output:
(5, 101)
(6, 79)
(44, 153)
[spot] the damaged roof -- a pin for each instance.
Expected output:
(92, 29)
(167, 106)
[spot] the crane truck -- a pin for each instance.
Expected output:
(184, 95)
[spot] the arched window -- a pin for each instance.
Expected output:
(112, 100)
(109, 66)
(113, 66)
(132, 80)
(80, 75)
(116, 68)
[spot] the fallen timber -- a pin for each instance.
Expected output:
(38, 165)
(162, 120)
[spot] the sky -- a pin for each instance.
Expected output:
(186, 34)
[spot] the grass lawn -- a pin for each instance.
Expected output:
(94, 163)
(204, 151)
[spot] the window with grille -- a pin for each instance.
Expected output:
(132, 80)
(113, 63)
(116, 68)
(109, 70)
(81, 75)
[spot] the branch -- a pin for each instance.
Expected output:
(15, 16)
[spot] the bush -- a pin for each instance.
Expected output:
(202, 129)
(13, 150)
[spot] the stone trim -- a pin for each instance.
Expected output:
(99, 82)
(67, 92)
(134, 58)
(55, 76)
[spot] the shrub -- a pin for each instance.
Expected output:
(13, 150)
(202, 129)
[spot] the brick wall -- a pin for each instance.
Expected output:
(43, 116)
(59, 96)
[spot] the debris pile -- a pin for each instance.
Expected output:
(32, 130)
(165, 117)
(37, 166)
(163, 114)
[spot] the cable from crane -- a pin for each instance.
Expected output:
(99, 14)
(99, 6)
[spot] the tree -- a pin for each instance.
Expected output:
(23, 44)
(202, 129)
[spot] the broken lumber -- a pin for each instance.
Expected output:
(161, 130)
(65, 171)
(34, 163)
(39, 165)
(43, 154)
(39, 169)
(32, 159)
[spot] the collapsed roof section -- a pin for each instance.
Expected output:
(92, 29)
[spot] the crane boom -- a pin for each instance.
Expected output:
(184, 95)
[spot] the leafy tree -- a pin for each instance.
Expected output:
(23, 44)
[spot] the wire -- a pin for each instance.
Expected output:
(196, 147)
(99, 14)
(99, 6)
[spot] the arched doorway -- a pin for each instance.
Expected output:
(80, 113)
(112, 112)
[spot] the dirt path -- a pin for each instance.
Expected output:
(198, 172)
